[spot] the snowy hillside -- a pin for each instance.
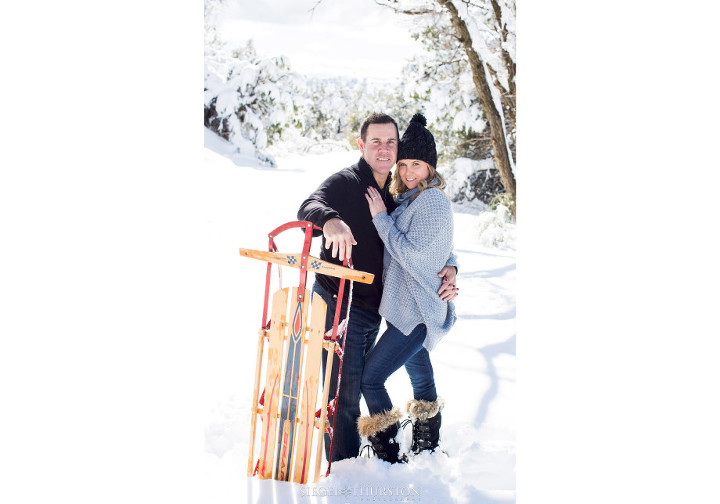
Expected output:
(474, 365)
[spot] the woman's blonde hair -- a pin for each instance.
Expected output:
(434, 179)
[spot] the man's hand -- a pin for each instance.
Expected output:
(448, 290)
(338, 235)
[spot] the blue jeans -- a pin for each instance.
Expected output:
(360, 336)
(392, 350)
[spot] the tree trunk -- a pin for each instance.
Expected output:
(497, 134)
(508, 94)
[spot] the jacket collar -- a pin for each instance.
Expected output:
(367, 173)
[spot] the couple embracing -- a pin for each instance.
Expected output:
(400, 228)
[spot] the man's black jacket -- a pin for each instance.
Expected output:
(342, 195)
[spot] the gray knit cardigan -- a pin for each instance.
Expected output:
(418, 238)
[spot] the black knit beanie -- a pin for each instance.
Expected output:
(417, 142)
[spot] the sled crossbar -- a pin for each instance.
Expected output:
(313, 264)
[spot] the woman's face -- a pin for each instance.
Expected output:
(412, 171)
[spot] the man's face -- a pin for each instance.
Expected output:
(380, 147)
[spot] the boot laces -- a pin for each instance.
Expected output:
(377, 446)
(422, 435)
(377, 450)
(368, 448)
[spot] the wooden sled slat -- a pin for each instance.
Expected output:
(291, 384)
(273, 384)
(256, 391)
(311, 381)
(331, 346)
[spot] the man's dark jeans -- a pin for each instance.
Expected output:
(362, 330)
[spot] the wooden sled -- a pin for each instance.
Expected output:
(294, 337)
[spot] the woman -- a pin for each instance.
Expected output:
(418, 239)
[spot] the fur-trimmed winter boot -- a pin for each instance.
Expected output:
(426, 420)
(380, 429)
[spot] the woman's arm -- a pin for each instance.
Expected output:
(432, 220)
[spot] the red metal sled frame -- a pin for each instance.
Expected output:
(335, 337)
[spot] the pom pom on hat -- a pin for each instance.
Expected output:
(419, 118)
(417, 142)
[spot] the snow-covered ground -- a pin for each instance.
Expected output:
(474, 365)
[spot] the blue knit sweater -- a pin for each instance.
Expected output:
(418, 238)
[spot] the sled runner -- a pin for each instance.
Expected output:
(294, 336)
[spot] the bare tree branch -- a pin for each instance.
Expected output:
(431, 71)
(473, 4)
(411, 12)
(312, 10)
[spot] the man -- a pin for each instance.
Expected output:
(339, 207)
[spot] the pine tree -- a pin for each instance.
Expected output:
(249, 100)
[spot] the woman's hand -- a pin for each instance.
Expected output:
(375, 202)
(448, 290)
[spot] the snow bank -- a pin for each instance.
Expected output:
(495, 229)
(243, 153)
(459, 175)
